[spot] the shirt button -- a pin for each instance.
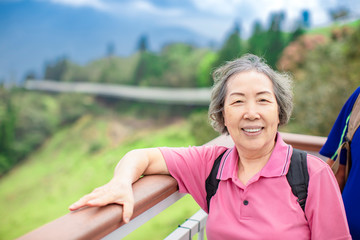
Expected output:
(245, 202)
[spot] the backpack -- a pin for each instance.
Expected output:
(352, 124)
(297, 176)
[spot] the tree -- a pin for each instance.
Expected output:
(56, 70)
(299, 31)
(232, 48)
(150, 66)
(30, 75)
(321, 89)
(143, 43)
(257, 43)
(203, 73)
(110, 49)
(294, 55)
(339, 13)
(275, 39)
(301, 25)
(306, 18)
(7, 131)
(352, 56)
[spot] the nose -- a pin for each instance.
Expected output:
(251, 112)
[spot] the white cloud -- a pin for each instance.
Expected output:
(128, 8)
(147, 7)
(97, 4)
(217, 7)
(211, 18)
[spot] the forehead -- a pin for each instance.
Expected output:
(249, 81)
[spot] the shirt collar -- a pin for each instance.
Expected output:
(277, 165)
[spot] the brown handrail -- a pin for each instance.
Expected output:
(304, 142)
(300, 141)
(95, 222)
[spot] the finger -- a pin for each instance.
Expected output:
(98, 199)
(82, 202)
(128, 208)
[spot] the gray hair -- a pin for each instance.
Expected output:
(282, 84)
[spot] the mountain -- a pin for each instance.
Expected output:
(35, 32)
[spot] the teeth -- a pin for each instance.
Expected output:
(251, 130)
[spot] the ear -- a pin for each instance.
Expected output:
(223, 115)
(279, 115)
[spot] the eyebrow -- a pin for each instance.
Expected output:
(259, 93)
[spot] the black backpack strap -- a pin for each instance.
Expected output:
(212, 183)
(298, 176)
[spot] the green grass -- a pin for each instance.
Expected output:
(72, 163)
(326, 31)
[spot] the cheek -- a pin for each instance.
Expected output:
(227, 117)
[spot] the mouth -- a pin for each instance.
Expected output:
(252, 130)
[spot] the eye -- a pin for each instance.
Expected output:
(238, 101)
(264, 100)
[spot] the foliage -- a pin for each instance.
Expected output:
(322, 88)
(56, 70)
(28, 118)
(8, 117)
(175, 66)
(294, 55)
(204, 70)
(275, 39)
(143, 44)
(268, 43)
(150, 68)
(181, 63)
(299, 31)
(114, 70)
(66, 167)
(352, 56)
(257, 42)
(339, 13)
(201, 128)
(326, 71)
(232, 47)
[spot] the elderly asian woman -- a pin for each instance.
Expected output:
(254, 199)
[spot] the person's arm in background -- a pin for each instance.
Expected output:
(119, 189)
(340, 175)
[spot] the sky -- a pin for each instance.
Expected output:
(36, 32)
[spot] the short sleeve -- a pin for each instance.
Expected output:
(190, 167)
(324, 206)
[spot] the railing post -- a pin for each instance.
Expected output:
(192, 226)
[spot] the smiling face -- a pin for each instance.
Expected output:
(251, 112)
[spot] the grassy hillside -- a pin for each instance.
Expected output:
(77, 159)
(326, 31)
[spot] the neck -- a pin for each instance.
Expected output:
(251, 164)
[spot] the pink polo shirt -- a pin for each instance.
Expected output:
(265, 208)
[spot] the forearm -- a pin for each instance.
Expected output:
(119, 190)
(140, 162)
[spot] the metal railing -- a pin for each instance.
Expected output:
(152, 195)
(192, 226)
